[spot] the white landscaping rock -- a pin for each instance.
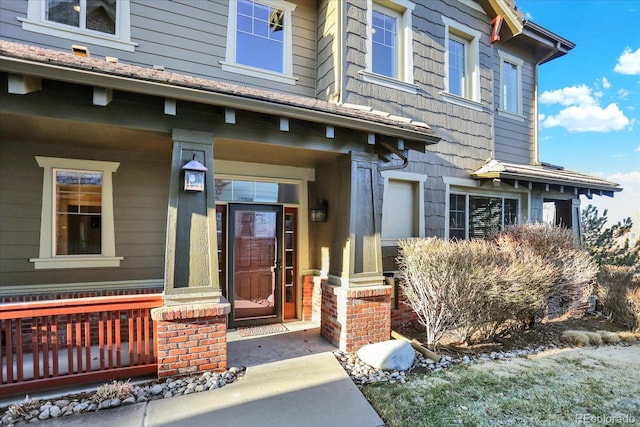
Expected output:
(392, 355)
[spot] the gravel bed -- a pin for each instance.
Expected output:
(32, 410)
(361, 373)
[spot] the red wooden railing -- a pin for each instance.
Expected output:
(65, 342)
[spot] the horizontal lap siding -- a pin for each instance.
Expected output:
(184, 36)
(514, 138)
(140, 207)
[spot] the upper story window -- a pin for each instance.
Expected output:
(389, 59)
(402, 206)
(100, 22)
(76, 225)
(259, 39)
(510, 85)
(461, 64)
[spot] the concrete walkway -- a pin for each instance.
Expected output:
(291, 379)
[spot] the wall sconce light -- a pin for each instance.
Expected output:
(319, 211)
(194, 175)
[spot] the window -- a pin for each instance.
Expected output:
(461, 61)
(389, 59)
(510, 84)
(76, 228)
(237, 190)
(101, 22)
(259, 39)
(385, 41)
(477, 216)
(402, 206)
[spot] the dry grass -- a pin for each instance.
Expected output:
(575, 338)
(555, 389)
(18, 410)
(609, 337)
(112, 390)
(594, 338)
(628, 337)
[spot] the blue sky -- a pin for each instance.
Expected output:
(589, 99)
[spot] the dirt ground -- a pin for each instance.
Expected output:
(542, 334)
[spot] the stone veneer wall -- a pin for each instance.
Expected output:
(354, 317)
(191, 338)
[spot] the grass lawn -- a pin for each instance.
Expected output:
(557, 388)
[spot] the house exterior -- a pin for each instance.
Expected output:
(323, 132)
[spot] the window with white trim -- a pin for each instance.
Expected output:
(402, 206)
(102, 22)
(259, 39)
(510, 84)
(461, 63)
(475, 216)
(389, 58)
(76, 226)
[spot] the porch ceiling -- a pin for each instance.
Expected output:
(19, 127)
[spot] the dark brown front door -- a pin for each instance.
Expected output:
(255, 264)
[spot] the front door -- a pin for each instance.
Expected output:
(255, 263)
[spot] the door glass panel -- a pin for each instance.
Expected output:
(255, 263)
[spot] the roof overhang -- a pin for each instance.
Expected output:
(547, 45)
(547, 176)
(506, 9)
(64, 67)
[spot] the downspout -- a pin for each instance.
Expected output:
(536, 123)
(403, 154)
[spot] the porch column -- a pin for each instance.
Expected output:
(356, 302)
(191, 324)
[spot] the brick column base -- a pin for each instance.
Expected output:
(354, 317)
(191, 338)
(311, 298)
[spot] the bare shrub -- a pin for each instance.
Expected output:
(559, 248)
(575, 338)
(445, 282)
(524, 281)
(633, 301)
(619, 295)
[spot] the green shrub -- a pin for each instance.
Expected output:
(619, 295)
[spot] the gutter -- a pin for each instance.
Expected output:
(147, 87)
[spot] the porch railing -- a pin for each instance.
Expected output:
(64, 342)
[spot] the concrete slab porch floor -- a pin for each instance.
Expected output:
(292, 378)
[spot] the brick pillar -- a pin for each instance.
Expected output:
(191, 338)
(353, 317)
(311, 298)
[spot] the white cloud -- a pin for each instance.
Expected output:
(573, 95)
(591, 118)
(624, 203)
(638, 149)
(623, 93)
(605, 83)
(628, 62)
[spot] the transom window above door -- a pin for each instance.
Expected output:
(259, 40)
(237, 190)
